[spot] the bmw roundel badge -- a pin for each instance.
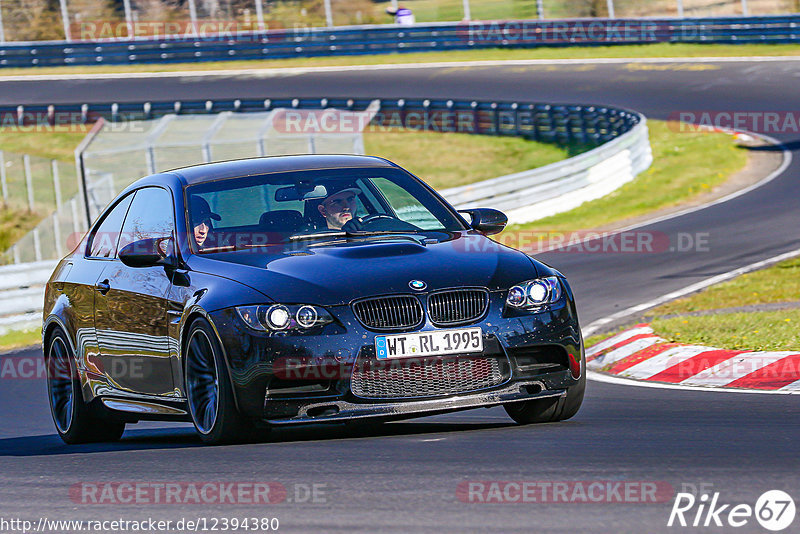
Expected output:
(417, 285)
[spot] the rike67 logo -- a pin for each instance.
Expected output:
(774, 510)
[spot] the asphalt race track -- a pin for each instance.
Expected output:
(403, 477)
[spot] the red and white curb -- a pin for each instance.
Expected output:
(640, 354)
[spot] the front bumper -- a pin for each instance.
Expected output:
(526, 341)
(342, 411)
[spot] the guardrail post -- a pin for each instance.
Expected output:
(57, 235)
(37, 244)
(328, 14)
(126, 4)
(193, 17)
(56, 183)
(680, 8)
(15, 253)
(65, 20)
(744, 8)
(260, 15)
(26, 159)
(2, 30)
(73, 206)
(467, 13)
(3, 179)
(610, 4)
(540, 9)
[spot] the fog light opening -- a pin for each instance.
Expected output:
(532, 389)
(323, 411)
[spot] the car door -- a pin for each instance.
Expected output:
(131, 304)
(81, 288)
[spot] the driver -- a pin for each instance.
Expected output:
(201, 219)
(339, 206)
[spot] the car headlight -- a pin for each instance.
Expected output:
(283, 317)
(534, 293)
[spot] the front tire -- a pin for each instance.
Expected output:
(72, 417)
(548, 409)
(208, 391)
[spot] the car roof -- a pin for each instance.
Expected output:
(206, 172)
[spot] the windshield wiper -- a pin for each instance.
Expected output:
(320, 235)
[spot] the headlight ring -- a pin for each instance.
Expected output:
(533, 294)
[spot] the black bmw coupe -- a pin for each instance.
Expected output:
(291, 290)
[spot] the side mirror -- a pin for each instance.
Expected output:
(487, 220)
(148, 253)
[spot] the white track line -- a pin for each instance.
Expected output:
(596, 325)
(609, 379)
(293, 71)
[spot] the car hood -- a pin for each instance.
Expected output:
(340, 270)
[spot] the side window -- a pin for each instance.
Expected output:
(103, 243)
(150, 216)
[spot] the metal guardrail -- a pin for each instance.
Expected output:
(620, 138)
(380, 39)
(22, 294)
(561, 186)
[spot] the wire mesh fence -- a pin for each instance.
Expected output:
(123, 152)
(48, 189)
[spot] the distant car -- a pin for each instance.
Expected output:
(300, 289)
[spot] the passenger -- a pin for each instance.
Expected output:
(201, 219)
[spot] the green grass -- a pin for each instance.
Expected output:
(774, 330)
(16, 219)
(758, 330)
(450, 159)
(50, 143)
(15, 223)
(657, 50)
(684, 165)
(779, 283)
(17, 339)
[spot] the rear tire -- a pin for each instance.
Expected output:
(208, 391)
(73, 418)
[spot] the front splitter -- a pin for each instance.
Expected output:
(340, 411)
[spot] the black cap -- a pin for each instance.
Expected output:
(201, 211)
(336, 188)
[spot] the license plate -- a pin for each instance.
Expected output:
(431, 343)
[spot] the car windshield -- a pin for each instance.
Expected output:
(257, 211)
